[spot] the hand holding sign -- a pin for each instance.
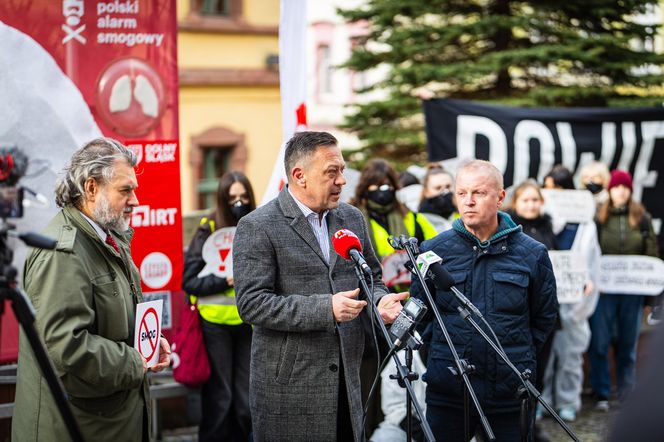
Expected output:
(217, 253)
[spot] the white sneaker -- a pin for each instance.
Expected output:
(568, 414)
(602, 406)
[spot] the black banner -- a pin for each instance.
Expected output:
(528, 142)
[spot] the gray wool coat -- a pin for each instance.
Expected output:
(284, 288)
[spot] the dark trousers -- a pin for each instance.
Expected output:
(617, 318)
(225, 396)
(447, 424)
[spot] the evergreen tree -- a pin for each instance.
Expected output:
(524, 53)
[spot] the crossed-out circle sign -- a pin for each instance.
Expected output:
(148, 336)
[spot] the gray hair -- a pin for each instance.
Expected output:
(96, 160)
(485, 167)
(304, 144)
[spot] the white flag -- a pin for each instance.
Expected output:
(293, 84)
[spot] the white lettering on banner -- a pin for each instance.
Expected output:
(73, 11)
(631, 275)
(118, 7)
(116, 23)
(160, 152)
(471, 126)
(525, 131)
(571, 271)
(143, 216)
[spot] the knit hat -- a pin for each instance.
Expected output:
(619, 177)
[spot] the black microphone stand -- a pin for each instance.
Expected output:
(463, 368)
(524, 377)
(403, 372)
(25, 315)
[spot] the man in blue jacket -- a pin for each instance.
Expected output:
(508, 276)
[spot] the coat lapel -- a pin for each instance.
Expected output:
(334, 223)
(299, 223)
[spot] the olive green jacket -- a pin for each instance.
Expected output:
(85, 296)
(617, 237)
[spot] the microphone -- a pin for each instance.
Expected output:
(348, 246)
(443, 280)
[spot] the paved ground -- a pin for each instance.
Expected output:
(589, 426)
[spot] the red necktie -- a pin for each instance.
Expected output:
(111, 242)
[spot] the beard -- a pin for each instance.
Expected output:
(108, 218)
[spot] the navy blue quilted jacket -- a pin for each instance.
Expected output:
(510, 280)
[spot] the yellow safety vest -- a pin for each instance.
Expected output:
(222, 308)
(383, 247)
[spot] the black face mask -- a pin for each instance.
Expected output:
(239, 209)
(442, 205)
(381, 197)
(594, 187)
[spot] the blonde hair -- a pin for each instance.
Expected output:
(483, 166)
(595, 168)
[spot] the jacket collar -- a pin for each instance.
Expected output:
(301, 226)
(505, 227)
(76, 218)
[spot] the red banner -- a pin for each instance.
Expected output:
(121, 57)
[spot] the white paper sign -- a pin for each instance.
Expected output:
(572, 206)
(571, 271)
(394, 270)
(218, 253)
(147, 330)
(631, 275)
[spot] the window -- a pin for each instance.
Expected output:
(215, 7)
(324, 70)
(216, 161)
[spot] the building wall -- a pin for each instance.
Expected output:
(226, 85)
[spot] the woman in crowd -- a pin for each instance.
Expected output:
(375, 196)
(225, 396)
(595, 177)
(437, 200)
(563, 378)
(526, 210)
(625, 228)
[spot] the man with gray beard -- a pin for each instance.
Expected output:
(85, 293)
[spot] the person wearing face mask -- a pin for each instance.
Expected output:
(595, 178)
(625, 228)
(437, 200)
(375, 196)
(225, 396)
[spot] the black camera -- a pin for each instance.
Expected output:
(13, 164)
(411, 314)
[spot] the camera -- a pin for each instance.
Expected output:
(13, 164)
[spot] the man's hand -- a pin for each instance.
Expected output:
(164, 356)
(345, 307)
(389, 306)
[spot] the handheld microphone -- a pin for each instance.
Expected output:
(444, 281)
(348, 246)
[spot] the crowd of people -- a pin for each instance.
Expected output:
(291, 354)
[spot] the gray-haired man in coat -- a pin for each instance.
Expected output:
(302, 299)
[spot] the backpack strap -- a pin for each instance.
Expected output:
(644, 227)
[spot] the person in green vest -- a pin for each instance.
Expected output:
(375, 196)
(225, 396)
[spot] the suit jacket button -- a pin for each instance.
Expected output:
(333, 367)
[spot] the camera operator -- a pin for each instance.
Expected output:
(85, 292)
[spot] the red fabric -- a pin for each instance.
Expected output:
(111, 242)
(620, 177)
(190, 361)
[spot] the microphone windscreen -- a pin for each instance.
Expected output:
(441, 277)
(344, 241)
